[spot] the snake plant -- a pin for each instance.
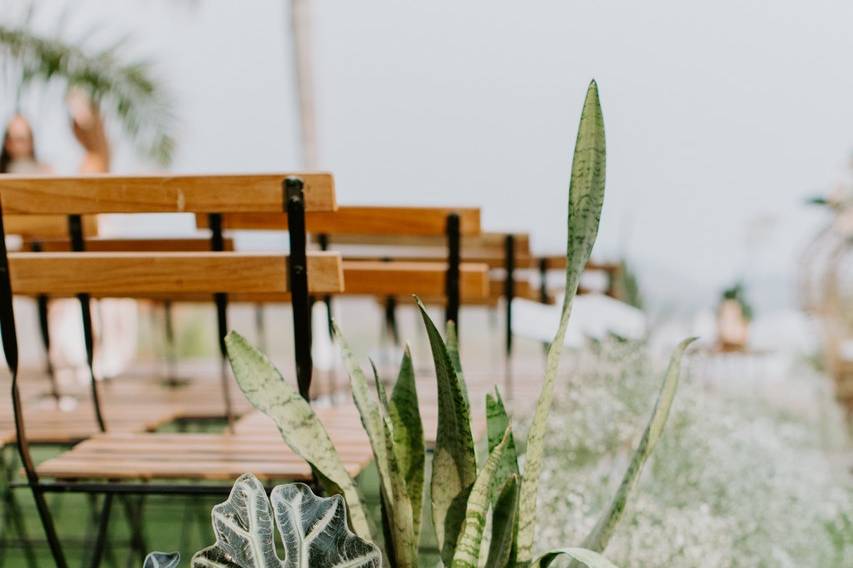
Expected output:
(464, 495)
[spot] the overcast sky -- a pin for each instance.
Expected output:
(721, 118)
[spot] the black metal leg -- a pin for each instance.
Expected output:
(261, 327)
(452, 293)
(217, 243)
(171, 348)
(42, 307)
(509, 288)
(103, 530)
(133, 512)
(298, 274)
(391, 326)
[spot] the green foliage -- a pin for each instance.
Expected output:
(463, 492)
(313, 531)
(127, 90)
(586, 197)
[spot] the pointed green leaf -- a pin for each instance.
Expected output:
(313, 530)
(265, 388)
(409, 436)
(587, 557)
(497, 423)
(504, 525)
(599, 537)
(454, 466)
(586, 196)
(467, 553)
(396, 499)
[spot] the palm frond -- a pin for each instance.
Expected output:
(127, 90)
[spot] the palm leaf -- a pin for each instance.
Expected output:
(127, 90)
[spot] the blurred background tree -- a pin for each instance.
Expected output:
(125, 89)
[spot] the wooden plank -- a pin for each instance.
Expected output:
(129, 274)
(45, 226)
(160, 194)
(361, 220)
(103, 244)
(483, 244)
(405, 278)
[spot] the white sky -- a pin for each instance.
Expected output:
(720, 116)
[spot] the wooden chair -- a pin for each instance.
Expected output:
(132, 274)
(389, 275)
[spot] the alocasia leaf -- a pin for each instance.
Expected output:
(265, 388)
(162, 560)
(586, 196)
(454, 466)
(313, 530)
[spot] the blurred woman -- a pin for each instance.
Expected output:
(18, 155)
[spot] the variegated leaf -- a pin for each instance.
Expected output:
(313, 530)
(162, 560)
(408, 434)
(300, 428)
(504, 525)
(497, 423)
(454, 466)
(586, 196)
(586, 557)
(467, 553)
(599, 537)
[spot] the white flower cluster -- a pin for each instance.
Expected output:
(737, 480)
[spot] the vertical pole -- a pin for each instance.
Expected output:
(44, 329)
(451, 286)
(543, 280)
(171, 349)
(323, 240)
(217, 244)
(297, 269)
(509, 288)
(9, 339)
(78, 244)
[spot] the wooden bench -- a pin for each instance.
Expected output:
(84, 274)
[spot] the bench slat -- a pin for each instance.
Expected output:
(123, 274)
(160, 194)
(361, 220)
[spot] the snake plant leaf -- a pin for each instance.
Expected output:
(300, 428)
(497, 423)
(313, 530)
(586, 197)
(587, 557)
(467, 553)
(453, 347)
(395, 499)
(599, 537)
(162, 560)
(408, 432)
(504, 525)
(454, 466)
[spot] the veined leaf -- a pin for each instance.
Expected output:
(467, 553)
(408, 434)
(497, 423)
(587, 557)
(454, 466)
(395, 498)
(504, 525)
(265, 388)
(162, 560)
(586, 196)
(599, 537)
(313, 530)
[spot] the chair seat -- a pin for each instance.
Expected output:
(48, 424)
(222, 457)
